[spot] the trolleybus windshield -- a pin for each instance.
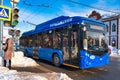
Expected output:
(96, 42)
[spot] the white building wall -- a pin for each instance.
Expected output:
(110, 20)
(107, 33)
(119, 33)
(114, 34)
(5, 34)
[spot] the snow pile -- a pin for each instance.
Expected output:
(21, 61)
(1, 61)
(114, 51)
(37, 77)
(118, 52)
(62, 76)
(6, 74)
(18, 54)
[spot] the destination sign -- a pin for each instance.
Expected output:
(95, 27)
(61, 22)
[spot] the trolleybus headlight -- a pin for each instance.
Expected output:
(92, 57)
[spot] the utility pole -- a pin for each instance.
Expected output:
(1, 31)
(14, 2)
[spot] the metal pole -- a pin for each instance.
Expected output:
(1, 31)
(14, 31)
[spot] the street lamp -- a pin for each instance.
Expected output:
(14, 2)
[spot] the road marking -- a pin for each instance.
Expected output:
(70, 65)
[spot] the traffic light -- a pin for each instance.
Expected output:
(6, 23)
(15, 17)
(11, 32)
(17, 32)
(14, 32)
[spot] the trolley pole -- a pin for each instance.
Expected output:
(1, 31)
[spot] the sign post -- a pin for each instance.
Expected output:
(1, 31)
(5, 14)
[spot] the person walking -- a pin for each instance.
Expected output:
(8, 52)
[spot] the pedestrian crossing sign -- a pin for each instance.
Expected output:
(5, 13)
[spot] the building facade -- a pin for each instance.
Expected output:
(113, 30)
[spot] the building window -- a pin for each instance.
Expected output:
(113, 27)
(113, 41)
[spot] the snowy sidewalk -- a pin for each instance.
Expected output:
(20, 61)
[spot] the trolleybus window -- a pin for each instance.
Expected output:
(57, 39)
(96, 42)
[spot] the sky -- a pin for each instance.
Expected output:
(39, 11)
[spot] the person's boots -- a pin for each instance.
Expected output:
(9, 64)
(4, 63)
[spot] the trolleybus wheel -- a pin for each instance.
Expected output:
(56, 60)
(26, 53)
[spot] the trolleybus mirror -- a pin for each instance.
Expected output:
(85, 44)
(84, 28)
(50, 31)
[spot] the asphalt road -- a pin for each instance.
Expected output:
(108, 72)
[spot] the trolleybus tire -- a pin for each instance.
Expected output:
(56, 60)
(26, 53)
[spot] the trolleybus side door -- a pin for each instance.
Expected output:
(70, 45)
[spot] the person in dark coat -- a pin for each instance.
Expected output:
(8, 52)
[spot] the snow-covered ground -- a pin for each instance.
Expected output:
(114, 51)
(20, 61)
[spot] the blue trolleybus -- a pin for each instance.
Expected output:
(74, 41)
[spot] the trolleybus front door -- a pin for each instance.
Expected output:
(70, 46)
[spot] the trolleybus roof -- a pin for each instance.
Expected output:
(61, 21)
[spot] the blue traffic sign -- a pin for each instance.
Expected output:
(5, 13)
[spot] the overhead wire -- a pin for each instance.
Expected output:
(24, 8)
(35, 9)
(51, 7)
(45, 6)
(22, 14)
(75, 2)
(37, 5)
(23, 20)
(33, 16)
